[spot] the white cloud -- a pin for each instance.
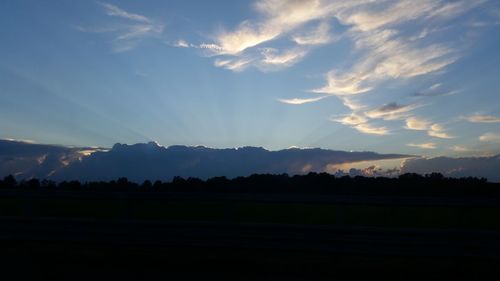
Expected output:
(483, 119)
(428, 145)
(414, 123)
(297, 101)
(490, 137)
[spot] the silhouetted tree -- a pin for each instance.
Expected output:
(9, 181)
(147, 185)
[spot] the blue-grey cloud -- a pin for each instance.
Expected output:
(151, 161)
(27, 160)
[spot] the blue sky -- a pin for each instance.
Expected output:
(414, 77)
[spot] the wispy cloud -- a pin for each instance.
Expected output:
(236, 65)
(385, 52)
(428, 145)
(344, 85)
(390, 111)
(352, 104)
(490, 137)
(433, 130)
(19, 140)
(127, 36)
(297, 101)
(273, 57)
(181, 43)
(277, 18)
(434, 91)
(112, 10)
(318, 36)
(483, 119)
(285, 32)
(387, 57)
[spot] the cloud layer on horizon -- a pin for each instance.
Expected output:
(151, 161)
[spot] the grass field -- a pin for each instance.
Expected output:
(256, 212)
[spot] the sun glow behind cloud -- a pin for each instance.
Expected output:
(360, 74)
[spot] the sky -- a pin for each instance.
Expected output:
(409, 77)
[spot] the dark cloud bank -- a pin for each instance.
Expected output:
(151, 161)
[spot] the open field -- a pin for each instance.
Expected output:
(136, 236)
(348, 211)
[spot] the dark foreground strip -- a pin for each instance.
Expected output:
(281, 237)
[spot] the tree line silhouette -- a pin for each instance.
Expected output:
(434, 184)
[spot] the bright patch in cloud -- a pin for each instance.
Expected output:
(321, 35)
(359, 123)
(343, 85)
(437, 131)
(490, 137)
(181, 44)
(414, 123)
(273, 57)
(236, 65)
(460, 148)
(352, 119)
(483, 119)
(429, 145)
(390, 111)
(297, 101)
(369, 129)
